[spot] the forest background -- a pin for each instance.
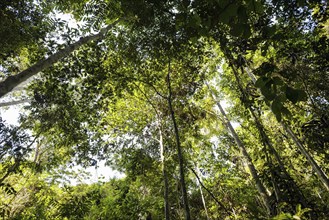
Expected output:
(141, 85)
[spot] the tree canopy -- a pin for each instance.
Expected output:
(212, 109)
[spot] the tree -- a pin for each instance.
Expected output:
(134, 95)
(12, 81)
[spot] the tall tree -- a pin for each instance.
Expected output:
(260, 187)
(12, 81)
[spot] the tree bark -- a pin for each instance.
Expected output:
(179, 151)
(12, 81)
(260, 187)
(165, 178)
(6, 104)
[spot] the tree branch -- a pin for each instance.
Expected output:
(15, 102)
(11, 82)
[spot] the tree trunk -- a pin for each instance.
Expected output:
(12, 81)
(323, 177)
(179, 151)
(210, 193)
(292, 186)
(203, 202)
(165, 178)
(260, 187)
(6, 104)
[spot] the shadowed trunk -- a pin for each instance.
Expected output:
(179, 150)
(292, 186)
(322, 176)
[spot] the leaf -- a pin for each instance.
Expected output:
(302, 95)
(256, 6)
(246, 32)
(242, 14)
(278, 81)
(265, 86)
(298, 208)
(229, 11)
(195, 21)
(261, 81)
(276, 108)
(269, 95)
(264, 69)
(194, 40)
(264, 49)
(286, 112)
(282, 98)
(269, 31)
(237, 30)
(295, 95)
(241, 30)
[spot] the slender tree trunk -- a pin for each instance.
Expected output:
(210, 193)
(37, 151)
(6, 104)
(163, 158)
(276, 155)
(260, 187)
(179, 151)
(165, 178)
(12, 81)
(292, 187)
(323, 177)
(203, 202)
(266, 140)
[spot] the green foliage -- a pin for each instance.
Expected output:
(275, 90)
(300, 213)
(108, 100)
(22, 23)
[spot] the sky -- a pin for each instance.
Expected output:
(102, 172)
(11, 116)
